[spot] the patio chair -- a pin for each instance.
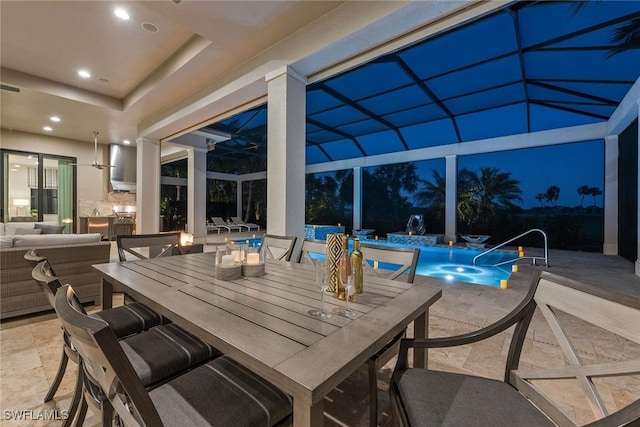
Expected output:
(220, 392)
(219, 222)
(394, 263)
(125, 322)
(428, 397)
(312, 247)
(237, 221)
(278, 248)
(178, 349)
(144, 246)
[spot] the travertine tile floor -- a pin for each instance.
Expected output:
(31, 346)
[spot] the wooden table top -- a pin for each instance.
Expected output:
(263, 322)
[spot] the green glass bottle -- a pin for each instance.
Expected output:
(356, 262)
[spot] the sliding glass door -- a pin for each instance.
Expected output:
(38, 187)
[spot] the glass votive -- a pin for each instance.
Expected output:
(514, 268)
(253, 264)
(226, 267)
(254, 256)
(503, 284)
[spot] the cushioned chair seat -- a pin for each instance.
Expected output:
(164, 351)
(130, 318)
(450, 399)
(223, 393)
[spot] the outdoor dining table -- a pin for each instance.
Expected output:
(264, 322)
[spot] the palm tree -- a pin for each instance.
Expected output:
(483, 196)
(583, 191)
(541, 197)
(594, 191)
(552, 195)
(435, 193)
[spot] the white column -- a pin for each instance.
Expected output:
(197, 193)
(239, 199)
(357, 198)
(638, 201)
(286, 146)
(610, 246)
(147, 186)
(450, 211)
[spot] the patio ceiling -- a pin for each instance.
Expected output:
(529, 67)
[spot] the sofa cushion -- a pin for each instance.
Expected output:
(10, 227)
(54, 239)
(6, 241)
(24, 231)
(49, 229)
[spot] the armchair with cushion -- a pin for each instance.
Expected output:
(428, 397)
(219, 393)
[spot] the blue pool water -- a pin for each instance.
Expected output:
(451, 264)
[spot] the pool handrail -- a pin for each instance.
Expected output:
(533, 258)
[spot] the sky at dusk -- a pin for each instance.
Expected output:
(567, 166)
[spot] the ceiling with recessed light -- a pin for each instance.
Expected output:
(138, 67)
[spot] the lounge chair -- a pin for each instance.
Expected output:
(219, 222)
(237, 221)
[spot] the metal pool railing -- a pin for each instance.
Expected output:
(533, 259)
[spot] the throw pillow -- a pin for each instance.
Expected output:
(23, 231)
(50, 229)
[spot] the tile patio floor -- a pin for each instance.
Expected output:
(31, 346)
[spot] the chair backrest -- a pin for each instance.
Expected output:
(395, 263)
(311, 247)
(46, 279)
(33, 257)
(105, 362)
(565, 305)
(144, 246)
(217, 220)
(278, 247)
(237, 220)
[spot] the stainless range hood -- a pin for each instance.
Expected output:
(123, 170)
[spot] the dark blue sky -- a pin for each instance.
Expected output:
(568, 166)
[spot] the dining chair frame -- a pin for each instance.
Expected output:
(563, 303)
(163, 242)
(406, 261)
(285, 243)
(311, 246)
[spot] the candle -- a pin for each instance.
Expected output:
(225, 239)
(228, 260)
(253, 236)
(450, 242)
(520, 249)
(253, 258)
(410, 233)
(338, 224)
(376, 237)
(514, 268)
(236, 256)
(503, 284)
(520, 254)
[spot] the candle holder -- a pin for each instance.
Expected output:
(253, 264)
(225, 266)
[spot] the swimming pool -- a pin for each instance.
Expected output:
(451, 264)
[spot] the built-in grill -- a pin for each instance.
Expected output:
(125, 220)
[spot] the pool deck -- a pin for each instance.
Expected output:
(30, 345)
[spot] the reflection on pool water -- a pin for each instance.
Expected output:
(451, 264)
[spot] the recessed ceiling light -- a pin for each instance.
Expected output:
(121, 13)
(84, 73)
(150, 27)
(55, 119)
(14, 170)
(126, 142)
(16, 166)
(48, 128)
(103, 80)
